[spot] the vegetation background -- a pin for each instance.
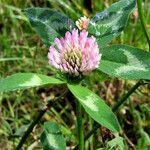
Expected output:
(21, 50)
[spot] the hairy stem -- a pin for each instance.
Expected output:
(143, 22)
(35, 121)
(79, 126)
(116, 106)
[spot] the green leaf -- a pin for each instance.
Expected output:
(95, 107)
(26, 80)
(48, 23)
(51, 138)
(143, 142)
(116, 142)
(125, 62)
(110, 23)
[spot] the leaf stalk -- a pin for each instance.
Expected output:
(79, 126)
(143, 22)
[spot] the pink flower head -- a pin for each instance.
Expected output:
(82, 23)
(76, 54)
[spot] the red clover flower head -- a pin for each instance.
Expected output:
(75, 54)
(83, 23)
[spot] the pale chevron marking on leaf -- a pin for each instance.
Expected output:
(35, 80)
(91, 102)
(129, 66)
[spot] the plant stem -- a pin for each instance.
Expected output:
(126, 96)
(79, 126)
(143, 22)
(115, 107)
(36, 120)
